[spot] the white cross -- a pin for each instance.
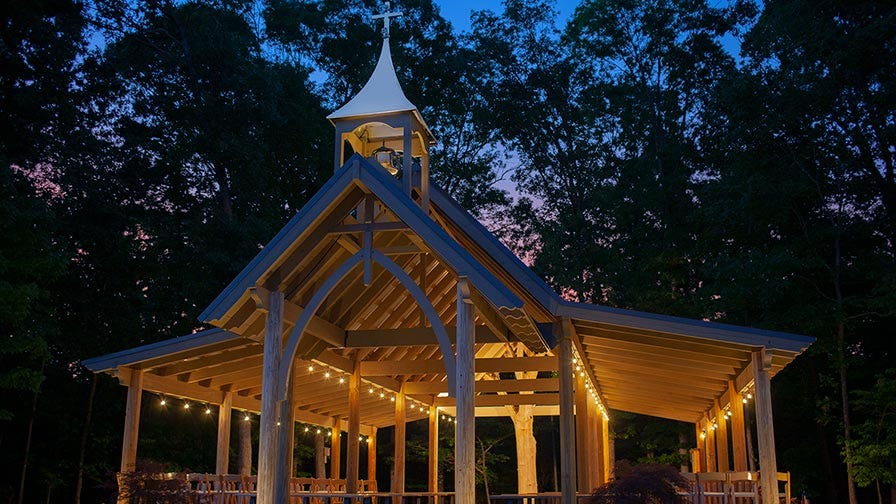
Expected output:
(387, 17)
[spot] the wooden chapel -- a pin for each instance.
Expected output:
(382, 301)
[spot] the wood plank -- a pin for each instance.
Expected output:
(433, 450)
(665, 364)
(636, 349)
(524, 385)
(567, 414)
(666, 340)
(548, 399)
(738, 434)
(415, 336)
(400, 430)
(269, 467)
(353, 461)
(435, 366)
(132, 422)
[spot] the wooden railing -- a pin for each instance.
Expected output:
(731, 488)
(201, 488)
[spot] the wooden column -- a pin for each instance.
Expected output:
(765, 429)
(336, 449)
(721, 439)
(320, 457)
(433, 449)
(132, 422)
(269, 460)
(738, 435)
(245, 461)
(698, 464)
(286, 433)
(598, 428)
(609, 456)
(353, 456)
(526, 449)
(710, 445)
(583, 447)
(371, 455)
(222, 459)
(567, 420)
(465, 428)
(400, 445)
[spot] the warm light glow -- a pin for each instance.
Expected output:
(186, 405)
(360, 438)
(163, 402)
(371, 390)
(306, 429)
(392, 398)
(442, 394)
(327, 374)
(208, 411)
(278, 424)
(246, 418)
(310, 368)
(318, 431)
(382, 395)
(744, 400)
(749, 395)
(341, 380)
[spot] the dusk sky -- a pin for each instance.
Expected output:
(458, 11)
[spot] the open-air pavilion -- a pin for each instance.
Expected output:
(382, 301)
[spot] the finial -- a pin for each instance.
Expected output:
(387, 18)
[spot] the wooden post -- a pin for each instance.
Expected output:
(400, 430)
(711, 465)
(738, 436)
(583, 447)
(132, 422)
(765, 429)
(353, 456)
(269, 460)
(245, 461)
(336, 449)
(465, 428)
(567, 420)
(222, 459)
(320, 457)
(371, 455)
(721, 439)
(286, 432)
(433, 449)
(700, 464)
(607, 446)
(599, 471)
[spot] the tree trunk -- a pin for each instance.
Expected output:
(80, 482)
(847, 427)
(28, 438)
(522, 417)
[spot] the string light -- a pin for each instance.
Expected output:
(327, 375)
(186, 405)
(163, 401)
(341, 380)
(306, 428)
(208, 410)
(246, 418)
(318, 431)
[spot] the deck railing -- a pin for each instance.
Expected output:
(731, 488)
(202, 488)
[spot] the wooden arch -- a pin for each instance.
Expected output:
(366, 254)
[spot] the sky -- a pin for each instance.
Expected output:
(458, 11)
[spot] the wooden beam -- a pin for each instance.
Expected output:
(416, 336)
(712, 464)
(433, 450)
(490, 317)
(372, 227)
(583, 447)
(567, 414)
(606, 450)
(371, 454)
(547, 399)
(722, 439)
(465, 383)
(222, 458)
(204, 361)
(269, 467)
(286, 437)
(435, 366)
(352, 465)
(336, 449)
(765, 427)
(505, 386)
(586, 364)
(738, 436)
(683, 355)
(132, 422)
(399, 455)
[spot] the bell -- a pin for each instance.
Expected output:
(384, 156)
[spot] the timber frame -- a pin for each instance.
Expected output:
(370, 309)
